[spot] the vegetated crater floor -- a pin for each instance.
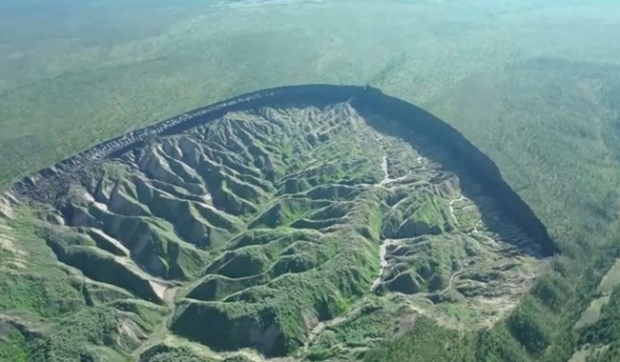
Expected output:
(296, 228)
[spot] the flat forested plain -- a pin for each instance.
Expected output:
(533, 84)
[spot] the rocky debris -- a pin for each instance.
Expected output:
(48, 183)
(278, 235)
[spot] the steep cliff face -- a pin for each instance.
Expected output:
(462, 155)
(308, 221)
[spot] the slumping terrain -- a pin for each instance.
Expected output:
(296, 231)
(533, 84)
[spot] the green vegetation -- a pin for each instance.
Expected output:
(534, 84)
(607, 328)
(280, 270)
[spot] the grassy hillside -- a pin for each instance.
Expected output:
(534, 84)
(297, 231)
(565, 163)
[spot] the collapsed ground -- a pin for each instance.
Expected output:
(292, 231)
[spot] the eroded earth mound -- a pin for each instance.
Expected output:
(292, 230)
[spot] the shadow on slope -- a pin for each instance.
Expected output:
(462, 158)
(439, 142)
(465, 160)
(435, 140)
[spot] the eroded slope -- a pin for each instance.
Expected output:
(291, 231)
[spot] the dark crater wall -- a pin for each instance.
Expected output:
(46, 184)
